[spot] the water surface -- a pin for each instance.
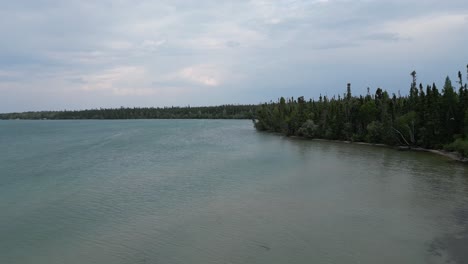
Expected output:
(214, 191)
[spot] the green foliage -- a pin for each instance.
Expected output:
(375, 132)
(367, 112)
(405, 126)
(308, 129)
(425, 117)
(460, 145)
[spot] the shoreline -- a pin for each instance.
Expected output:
(450, 155)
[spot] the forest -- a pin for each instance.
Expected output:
(206, 112)
(426, 118)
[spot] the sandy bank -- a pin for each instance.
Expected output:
(451, 155)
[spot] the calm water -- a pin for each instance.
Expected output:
(199, 191)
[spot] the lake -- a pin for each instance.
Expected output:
(217, 191)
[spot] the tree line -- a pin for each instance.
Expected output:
(427, 117)
(206, 112)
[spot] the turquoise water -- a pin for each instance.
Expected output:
(217, 191)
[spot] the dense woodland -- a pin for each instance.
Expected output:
(427, 117)
(207, 112)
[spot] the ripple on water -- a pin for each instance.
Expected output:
(216, 191)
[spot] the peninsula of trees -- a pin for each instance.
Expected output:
(426, 117)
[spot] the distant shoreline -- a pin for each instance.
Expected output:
(115, 119)
(200, 112)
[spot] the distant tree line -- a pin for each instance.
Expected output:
(426, 117)
(207, 112)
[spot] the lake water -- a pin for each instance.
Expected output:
(217, 191)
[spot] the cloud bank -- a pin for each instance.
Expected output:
(89, 54)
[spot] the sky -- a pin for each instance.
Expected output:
(81, 54)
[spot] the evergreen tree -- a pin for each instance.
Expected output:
(425, 118)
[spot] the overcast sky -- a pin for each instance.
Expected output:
(69, 54)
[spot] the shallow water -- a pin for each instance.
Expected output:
(217, 191)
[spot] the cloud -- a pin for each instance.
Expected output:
(138, 81)
(152, 45)
(428, 26)
(207, 75)
(383, 36)
(134, 91)
(125, 80)
(165, 52)
(232, 44)
(9, 75)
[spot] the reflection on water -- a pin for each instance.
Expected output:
(200, 191)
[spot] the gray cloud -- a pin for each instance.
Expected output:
(387, 36)
(80, 54)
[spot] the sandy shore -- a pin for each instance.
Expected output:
(451, 155)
